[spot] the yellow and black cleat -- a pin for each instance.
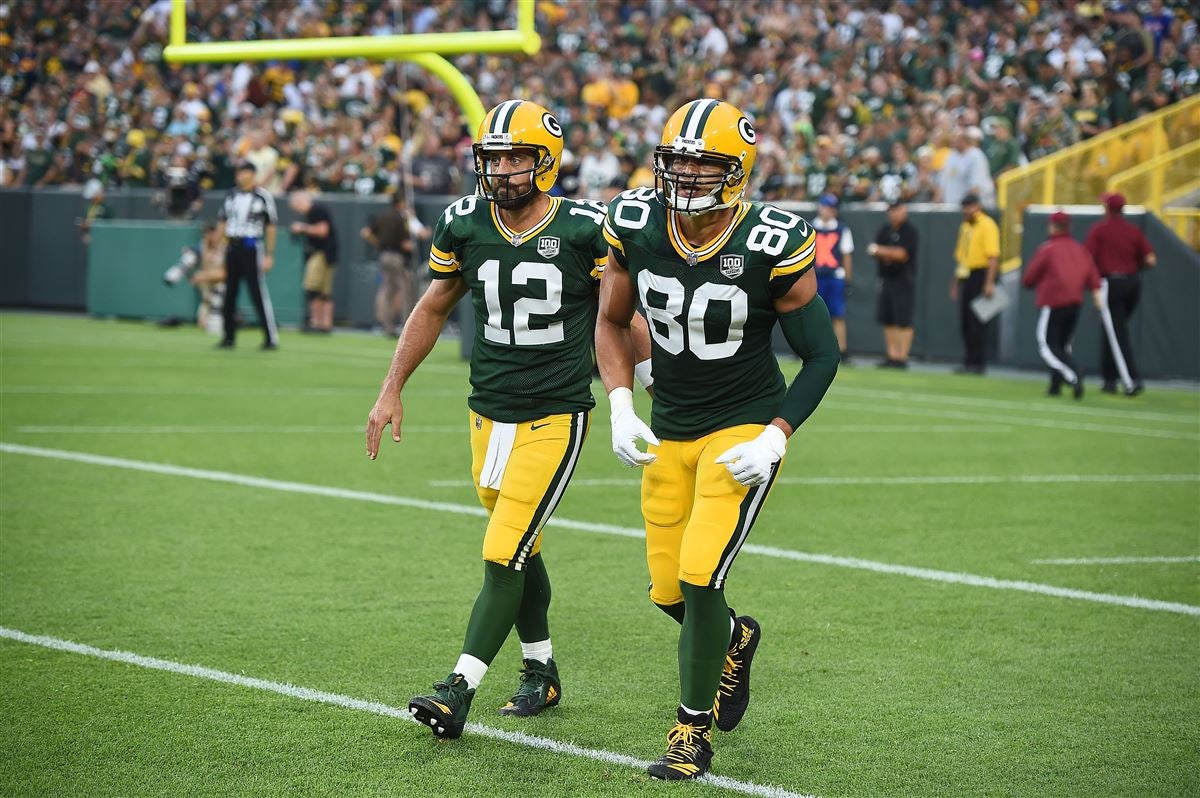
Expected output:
(444, 712)
(689, 749)
(540, 688)
(733, 693)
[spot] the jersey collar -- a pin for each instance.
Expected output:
(517, 238)
(694, 256)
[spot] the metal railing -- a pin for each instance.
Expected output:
(1080, 173)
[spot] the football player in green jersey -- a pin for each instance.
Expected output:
(531, 264)
(713, 273)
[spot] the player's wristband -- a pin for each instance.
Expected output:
(643, 373)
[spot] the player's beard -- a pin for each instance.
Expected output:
(513, 202)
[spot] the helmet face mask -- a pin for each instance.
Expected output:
(705, 158)
(522, 129)
(692, 184)
(512, 188)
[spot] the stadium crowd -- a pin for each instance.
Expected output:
(922, 100)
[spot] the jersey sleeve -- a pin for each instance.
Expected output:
(847, 241)
(599, 251)
(801, 249)
(269, 204)
(444, 257)
(613, 238)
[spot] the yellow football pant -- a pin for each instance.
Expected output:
(697, 516)
(535, 462)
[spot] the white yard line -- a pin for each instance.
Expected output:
(1067, 408)
(1020, 421)
(608, 529)
(374, 707)
(997, 479)
(217, 429)
(1113, 560)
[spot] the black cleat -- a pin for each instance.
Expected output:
(733, 694)
(689, 749)
(540, 688)
(444, 712)
(1077, 389)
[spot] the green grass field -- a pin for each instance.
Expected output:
(915, 644)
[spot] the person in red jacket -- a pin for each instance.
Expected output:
(1060, 271)
(1121, 252)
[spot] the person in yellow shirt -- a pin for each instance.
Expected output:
(977, 259)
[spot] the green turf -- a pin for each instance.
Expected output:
(867, 684)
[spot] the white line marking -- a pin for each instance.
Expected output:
(202, 429)
(374, 707)
(1021, 421)
(1192, 419)
(607, 529)
(1113, 560)
(233, 390)
(1030, 479)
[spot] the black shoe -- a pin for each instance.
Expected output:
(1109, 387)
(269, 346)
(444, 712)
(1077, 388)
(1135, 390)
(540, 688)
(224, 345)
(846, 361)
(733, 693)
(689, 749)
(1054, 390)
(900, 364)
(977, 370)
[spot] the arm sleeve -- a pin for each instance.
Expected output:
(443, 251)
(1144, 247)
(269, 203)
(1033, 271)
(809, 332)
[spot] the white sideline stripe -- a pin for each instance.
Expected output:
(202, 429)
(1112, 560)
(930, 480)
(1021, 421)
(132, 390)
(1004, 404)
(374, 707)
(608, 529)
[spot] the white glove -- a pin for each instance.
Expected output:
(750, 462)
(627, 428)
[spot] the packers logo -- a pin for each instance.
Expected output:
(551, 125)
(732, 266)
(746, 130)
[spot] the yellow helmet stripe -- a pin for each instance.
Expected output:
(503, 116)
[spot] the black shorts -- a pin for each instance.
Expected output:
(897, 299)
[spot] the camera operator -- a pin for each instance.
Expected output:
(320, 258)
(180, 198)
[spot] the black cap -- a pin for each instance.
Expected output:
(244, 164)
(970, 199)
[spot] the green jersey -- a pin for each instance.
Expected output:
(710, 312)
(534, 297)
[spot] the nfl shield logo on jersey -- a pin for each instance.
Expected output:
(548, 246)
(731, 266)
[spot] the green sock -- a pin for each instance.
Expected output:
(495, 611)
(533, 623)
(702, 645)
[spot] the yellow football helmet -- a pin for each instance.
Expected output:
(704, 133)
(513, 125)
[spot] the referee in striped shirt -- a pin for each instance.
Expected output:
(247, 221)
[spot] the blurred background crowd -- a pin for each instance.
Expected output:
(922, 100)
